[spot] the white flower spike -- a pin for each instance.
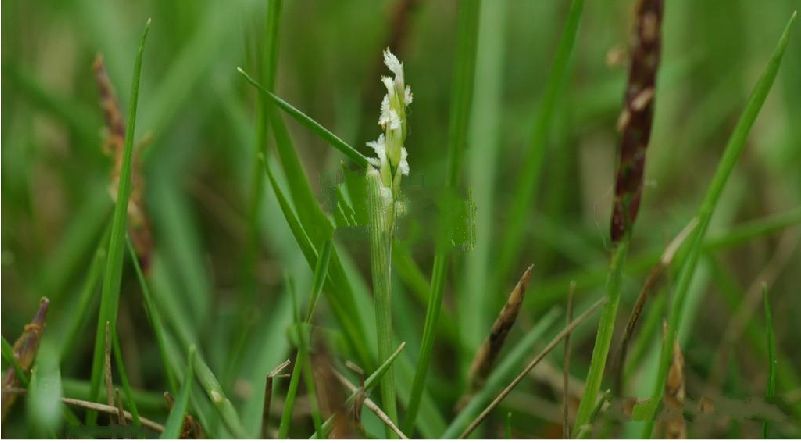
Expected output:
(390, 162)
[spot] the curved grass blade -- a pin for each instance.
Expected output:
(310, 123)
(172, 428)
(113, 272)
(734, 148)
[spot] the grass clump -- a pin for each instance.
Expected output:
(283, 278)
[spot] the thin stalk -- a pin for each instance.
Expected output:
(603, 339)
(113, 272)
(301, 358)
(382, 227)
(734, 148)
(460, 111)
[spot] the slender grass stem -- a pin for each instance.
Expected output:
(382, 227)
(603, 339)
(731, 154)
(172, 428)
(113, 272)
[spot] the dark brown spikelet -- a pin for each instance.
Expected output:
(637, 116)
(25, 352)
(114, 146)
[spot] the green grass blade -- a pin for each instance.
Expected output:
(289, 399)
(460, 110)
(527, 185)
(45, 410)
(501, 375)
(312, 227)
(328, 136)
(8, 356)
(172, 428)
(603, 339)
(320, 275)
(155, 319)
(475, 309)
(217, 396)
(732, 152)
(113, 272)
(770, 338)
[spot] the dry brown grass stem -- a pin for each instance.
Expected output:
(370, 405)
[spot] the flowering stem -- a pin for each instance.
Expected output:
(382, 227)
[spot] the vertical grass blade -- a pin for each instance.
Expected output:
(475, 310)
(603, 339)
(460, 111)
(217, 396)
(301, 358)
(731, 154)
(113, 272)
(531, 167)
(635, 124)
(172, 428)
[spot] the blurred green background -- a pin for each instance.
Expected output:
(198, 171)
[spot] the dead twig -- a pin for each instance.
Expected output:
(371, 406)
(99, 407)
(548, 348)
